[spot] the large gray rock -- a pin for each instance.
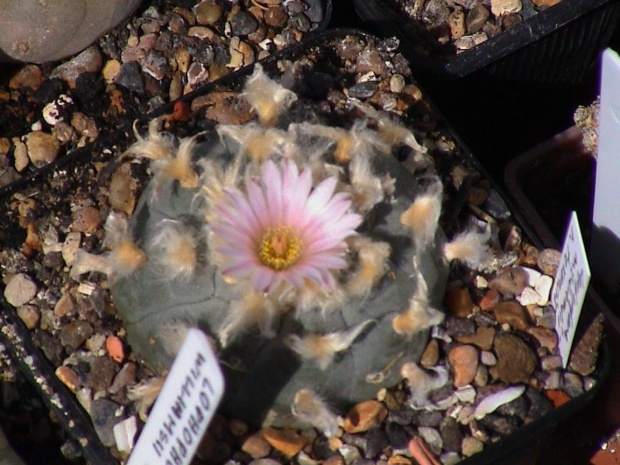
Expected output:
(264, 374)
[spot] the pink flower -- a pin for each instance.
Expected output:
(280, 229)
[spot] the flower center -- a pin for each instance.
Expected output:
(279, 248)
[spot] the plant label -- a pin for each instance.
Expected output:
(569, 290)
(184, 407)
(605, 250)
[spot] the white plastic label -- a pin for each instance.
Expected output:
(605, 250)
(569, 290)
(184, 407)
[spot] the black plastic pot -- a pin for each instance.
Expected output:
(559, 44)
(35, 367)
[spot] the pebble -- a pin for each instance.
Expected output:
(399, 460)
(548, 261)
(489, 300)
(75, 333)
(255, 446)
(155, 64)
(124, 433)
(30, 315)
(459, 302)
(572, 384)
(70, 247)
(208, 12)
(516, 361)
(84, 125)
(111, 70)
(130, 77)
(20, 290)
(450, 435)
(482, 338)
(543, 288)
(552, 380)
(28, 76)
(43, 148)
(286, 441)
(427, 418)
(476, 18)
(69, 378)
(350, 454)
(364, 416)
(459, 327)
(376, 442)
(584, 354)
(529, 297)
(86, 219)
(504, 7)
(557, 397)
(124, 377)
(510, 282)
(430, 356)
(101, 374)
(545, 3)
(450, 458)
(432, 438)
(456, 22)
(500, 425)
(223, 107)
(89, 61)
(243, 24)
(363, 90)
(115, 348)
(471, 446)
(334, 460)
(104, 414)
(488, 358)
(512, 313)
(545, 337)
(463, 361)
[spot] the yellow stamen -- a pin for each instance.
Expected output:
(280, 248)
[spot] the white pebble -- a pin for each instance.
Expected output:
(488, 358)
(20, 290)
(466, 394)
(532, 275)
(528, 297)
(124, 434)
(480, 282)
(543, 287)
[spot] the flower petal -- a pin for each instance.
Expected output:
(272, 187)
(258, 204)
(318, 199)
(326, 260)
(262, 278)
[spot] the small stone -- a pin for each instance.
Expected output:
(85, 126)
(450, 434)
(364, 416)
(488, 358)
(115, 348)
(432, 438)
(125, 377)
(529, 297)
(583, 357)
(482, 338)
(450, 458)
(543, 288)
(545, 3)
(516, 361)
(69, 378)
(489, 300)
(471, 446)
(70, 247)
(504, 7)
(463, 361)
(501, 425)
(430, 356)
(101, 374)
(20, 290)
(28, 76)
(363, 90)
(288, 442)
(557, 397)
(74, 334)
(511, 281)
(124, 434)
(399, 460)
(551, 362)
(545, 337)
(43, 148)
(476, 18)
(208, 12)
(376, 442)
(456, 22)
(201, 32)
(237, 427)
(89, 61)
(427, 418)
(196, 74)
(510, 312)
(256, 446)
(459, 302)
(111, 70)
(21, 156)
(350, 454)
(459, 327)
(130, 77)
(223, 107)
(370, 61)
(548, 261)
(482, 376)
(155, 64)
(30, 315)
(86, 220)
(104, 414)
(276, 17)
(539, 405)
(243, 24)
(397, 83)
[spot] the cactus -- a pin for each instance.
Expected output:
(306, 252)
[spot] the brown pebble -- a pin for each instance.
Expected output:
(482, 338)
(458, 302)
(28, 76)
(430, 356)
(237, 427)
(43, 148)
(115, 348)
(276, 17)
(286, 441)
(530, 255)
(545, 3)
(489, 300)
(456, 21)
(125, 377)
(255, 446)
(364, 416)
(463, 361)
(89, 61)
(546, 337)
(64, 306)
(511, 281)
(101, 374)
(548, 261)
(30, 315)
(206, 447)
(334, 460)
(122, 195)
(208, 12)
(86, 220)
(516, 361)
(583, 357)
(476, 18)
(74, 334)
(223, 107)
(512, 313)
(399, 460)
(69, 378)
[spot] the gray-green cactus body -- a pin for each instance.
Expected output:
(263, 374)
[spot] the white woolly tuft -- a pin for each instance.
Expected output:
(372, 257)
(155, 146)
(470, 247)
(421, 383)
(145, 394)
(267, 97)
(175, 248)
(253, 309)
(125, 256)
(310, 408)
(422, 216)
(323, 348)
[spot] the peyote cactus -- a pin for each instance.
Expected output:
(308, 254)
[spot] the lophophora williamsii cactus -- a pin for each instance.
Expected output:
(311, 258)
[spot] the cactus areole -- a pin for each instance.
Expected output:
(292, 254)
